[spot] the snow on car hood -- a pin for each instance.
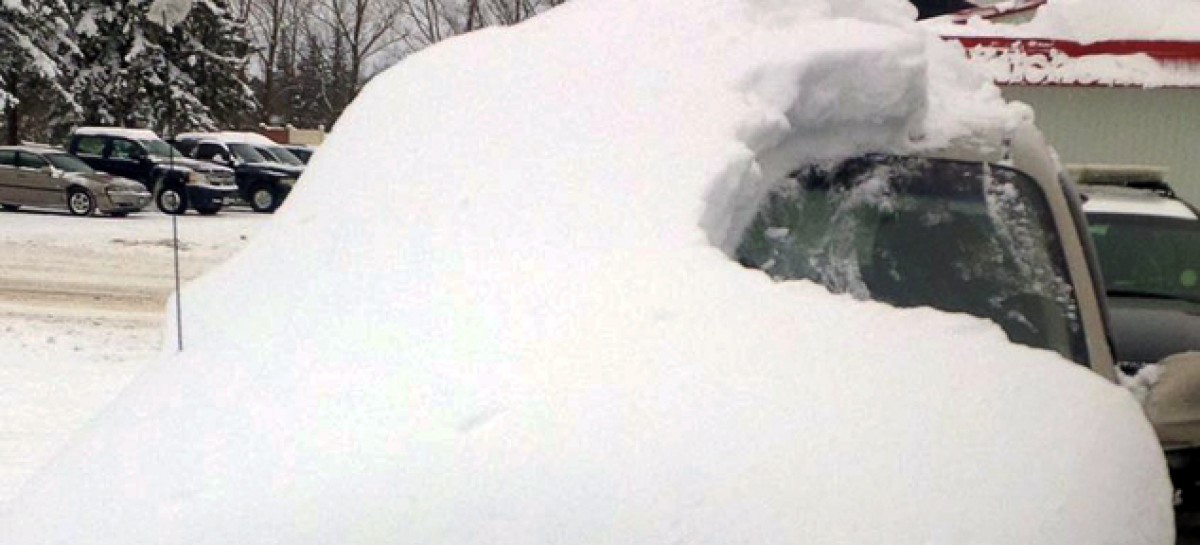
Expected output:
(526, 327)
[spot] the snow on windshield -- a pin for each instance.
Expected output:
(522, 322)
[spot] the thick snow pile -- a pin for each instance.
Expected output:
(1088, 21)
(524, 325)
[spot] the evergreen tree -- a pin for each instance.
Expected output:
(36, 55)
(136, 72)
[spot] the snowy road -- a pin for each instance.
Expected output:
(81, 309)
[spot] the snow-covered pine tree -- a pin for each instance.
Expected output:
(37, 54)
(136, 72)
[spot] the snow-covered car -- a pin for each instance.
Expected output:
(263, 179)
(139, 154)
(51, 178)
(1148, 242)
(534, 325)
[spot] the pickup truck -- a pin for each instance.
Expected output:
(176, 182)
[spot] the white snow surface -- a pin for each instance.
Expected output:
(1088, 21)
(230, 137)
(168, 13)
(135, 134)
(527, 328)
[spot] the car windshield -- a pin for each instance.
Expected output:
(69, 163)
(956, 236)
(160, 148)
(281, 155)
(1148, 256)
(246, 153)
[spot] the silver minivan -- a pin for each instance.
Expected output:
(52, 178)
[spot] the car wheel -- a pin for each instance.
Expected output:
(171, 200)
(10, 207)
(263, 199)
(207, 210)
(80, 202)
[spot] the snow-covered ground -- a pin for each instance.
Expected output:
(81, 310)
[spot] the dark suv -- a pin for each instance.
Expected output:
(138, 154)
(263, 180)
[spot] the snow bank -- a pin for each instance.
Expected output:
(1013, 63)
(1043, 57)
(525, 330)
(1088, 21)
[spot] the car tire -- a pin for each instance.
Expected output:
(171, 200)
(208, 210)
(264, 198)
(80, 202)
(10, 207)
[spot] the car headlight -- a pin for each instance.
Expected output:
(287, 181)
(195, 178)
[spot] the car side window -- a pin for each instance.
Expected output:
(8, 158)
(185, 146)
(208, 152)
(29, 160)
(89, 146)
(125, 149)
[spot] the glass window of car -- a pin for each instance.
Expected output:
(209, 151)
(246, 153)
(126, 149)
(185, 146)
(30, 160)
(90, 145)
(280, 154)
(956, 236)
(8, 158)
(159, 148)
(1148, 256)
(69, 163)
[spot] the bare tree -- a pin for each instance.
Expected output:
(365, 28)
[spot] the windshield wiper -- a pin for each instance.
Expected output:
(1146, 294)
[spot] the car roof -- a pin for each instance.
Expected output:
(1134, 201)
(229, 137)
(135, 134)
(33, 149)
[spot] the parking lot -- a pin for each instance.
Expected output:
(81, 308)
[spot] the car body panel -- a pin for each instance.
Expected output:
(37, 184)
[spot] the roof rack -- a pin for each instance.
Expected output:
(1146, 177)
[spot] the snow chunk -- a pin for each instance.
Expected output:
(168, 13)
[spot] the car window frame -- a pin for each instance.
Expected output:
(22, 154)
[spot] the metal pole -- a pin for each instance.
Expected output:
(174, 217)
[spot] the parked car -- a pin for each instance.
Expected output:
(1005, 241)
(138, 154)
(51, 178)
(264, 181)
(1148, 243)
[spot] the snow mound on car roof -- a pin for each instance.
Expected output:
(497, 310)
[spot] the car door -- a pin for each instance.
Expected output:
(124, 158)
(11, 191)
(34, 173)
(90, 149)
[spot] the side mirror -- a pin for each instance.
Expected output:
(1173, 405)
